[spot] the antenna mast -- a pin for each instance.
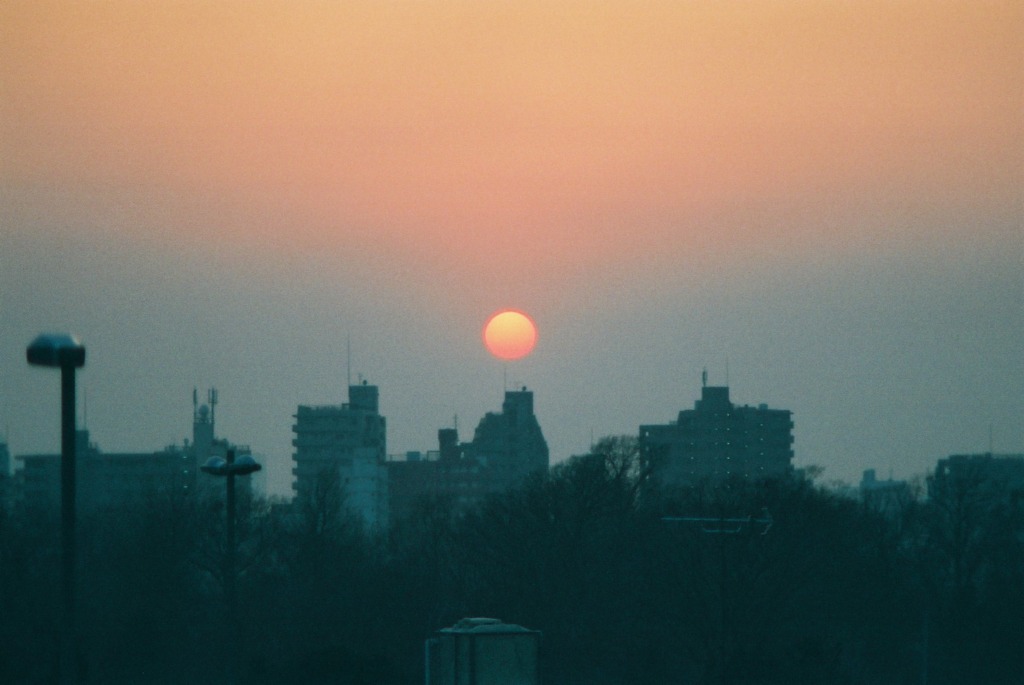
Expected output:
(213, 406)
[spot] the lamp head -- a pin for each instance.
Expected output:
(56, 350)
(216, 466)
(245, 465)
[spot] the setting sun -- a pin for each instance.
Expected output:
(510, 335)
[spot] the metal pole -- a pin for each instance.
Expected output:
(68, 642)
(229, 571)
(925, 636)
(722, 610)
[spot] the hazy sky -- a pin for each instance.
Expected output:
(824, 198)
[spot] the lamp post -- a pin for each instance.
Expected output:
(229, 468)
(64, 351)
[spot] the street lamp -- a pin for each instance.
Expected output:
(229, 468)
(65, 352)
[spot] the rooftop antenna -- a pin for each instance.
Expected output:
(213, 405)
(727, 372)
(704, 377)
(195, 404)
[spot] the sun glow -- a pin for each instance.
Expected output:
(510, 334)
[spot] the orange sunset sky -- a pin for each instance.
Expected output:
(823, 197)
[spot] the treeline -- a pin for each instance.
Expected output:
(828, 591)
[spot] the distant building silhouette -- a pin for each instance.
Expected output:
(987, 477)
(5, 459)
(343, 446)
(505, 450)
(888, 497)
(717, 440)
(414, 477)
(109, 481)
(508, 446)
(8, 489)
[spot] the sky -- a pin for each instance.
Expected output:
(819, 202)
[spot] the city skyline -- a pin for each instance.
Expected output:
(283, 482)
(819, 204)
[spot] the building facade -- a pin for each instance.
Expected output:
(506, 448)
(509, 446)
(343, 447)
(888, 497)
(110, 481)
(718, 440)
(8, 489)
(5, 459)
(986, 477)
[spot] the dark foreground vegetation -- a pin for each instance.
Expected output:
(833, 592)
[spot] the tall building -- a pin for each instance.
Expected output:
(506, 448)
(343, 447)
(509, 446)
(717, 440)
